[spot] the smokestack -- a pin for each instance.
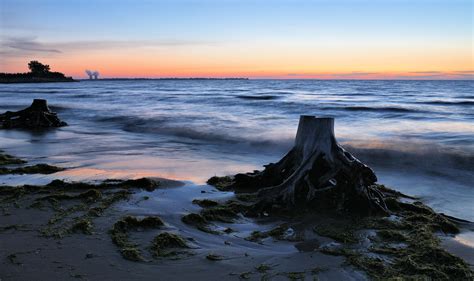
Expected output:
(89, 73)
(92, 74)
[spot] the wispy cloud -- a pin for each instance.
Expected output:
(20, 46)
(410, 75)
(26, 44)
(426, 72)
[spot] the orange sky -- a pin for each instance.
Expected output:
(378, 62)
(288, 39)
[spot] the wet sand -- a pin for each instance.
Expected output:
(38, 243)
(29, 256)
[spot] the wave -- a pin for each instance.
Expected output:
(168, 127)
(379, 109)
(410, 157)
(449, 102)
(262, 97)
(30, 92)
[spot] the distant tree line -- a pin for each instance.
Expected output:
(38, 71)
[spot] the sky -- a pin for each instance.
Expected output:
(285, 39)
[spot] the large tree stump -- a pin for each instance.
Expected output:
(37, 116)
(316, 173)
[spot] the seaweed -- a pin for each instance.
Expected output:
(91, 194)
(391, 235)
(263, 268)
(82, 225)
(205, 203)
(199, 222)
(221, 183)
(295, 275)
(341, 230)
(35, 169)
(277, 233)
(142, 183)
(132, 254)
(421, 256)
(219, 213)
(214, 257)
(167, 244)
(6, 159)
(120, 234)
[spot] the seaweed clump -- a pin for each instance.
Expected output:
(199, 222)
(167, 244)
(408, 247)
(120, 234)
(277, 233)
(221, 183)
(6, 159)
(35, 169)
(205, 203)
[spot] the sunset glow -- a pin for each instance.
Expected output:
(287, 39)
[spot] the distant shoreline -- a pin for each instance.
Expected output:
(170, 78)
(35, 80)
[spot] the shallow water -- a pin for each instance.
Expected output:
(417, 135)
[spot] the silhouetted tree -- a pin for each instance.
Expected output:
(38, 68)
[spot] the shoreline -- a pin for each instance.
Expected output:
(35, 80)
(229, 256)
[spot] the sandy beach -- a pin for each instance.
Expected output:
(43, 236)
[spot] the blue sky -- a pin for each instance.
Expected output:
(234, 29)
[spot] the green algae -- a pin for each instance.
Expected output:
(221, 183)
(84, 226)
(205, 203)
(129, 222)
(132, 254)
(277, 233)
(91, 194)
(141, 183)
(219, 213)
(167, 244)
(120, 234)
(35, 169)
(341, 231)
(227, 213)
(262, 268)
(199, 222)
(391, 235)
(295, 275)
(419, 258)
(6, 159)
(246, 197)
(214, 257)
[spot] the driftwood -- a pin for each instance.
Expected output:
(316, 173)
(37, 116)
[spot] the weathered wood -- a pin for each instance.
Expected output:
(37, 116)
(316, 173)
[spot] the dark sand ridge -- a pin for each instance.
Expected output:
(66, 235)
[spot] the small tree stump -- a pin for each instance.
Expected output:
(37, 116)
(316, 173)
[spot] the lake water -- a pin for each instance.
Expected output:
(417, 135)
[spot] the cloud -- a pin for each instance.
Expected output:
(26, 44)
(426, 72)
(409, 75)
(353, 74)
(20, 46)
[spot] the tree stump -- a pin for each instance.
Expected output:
(37, 116)
(316, 173)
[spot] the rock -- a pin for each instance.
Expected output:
(37, 116)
